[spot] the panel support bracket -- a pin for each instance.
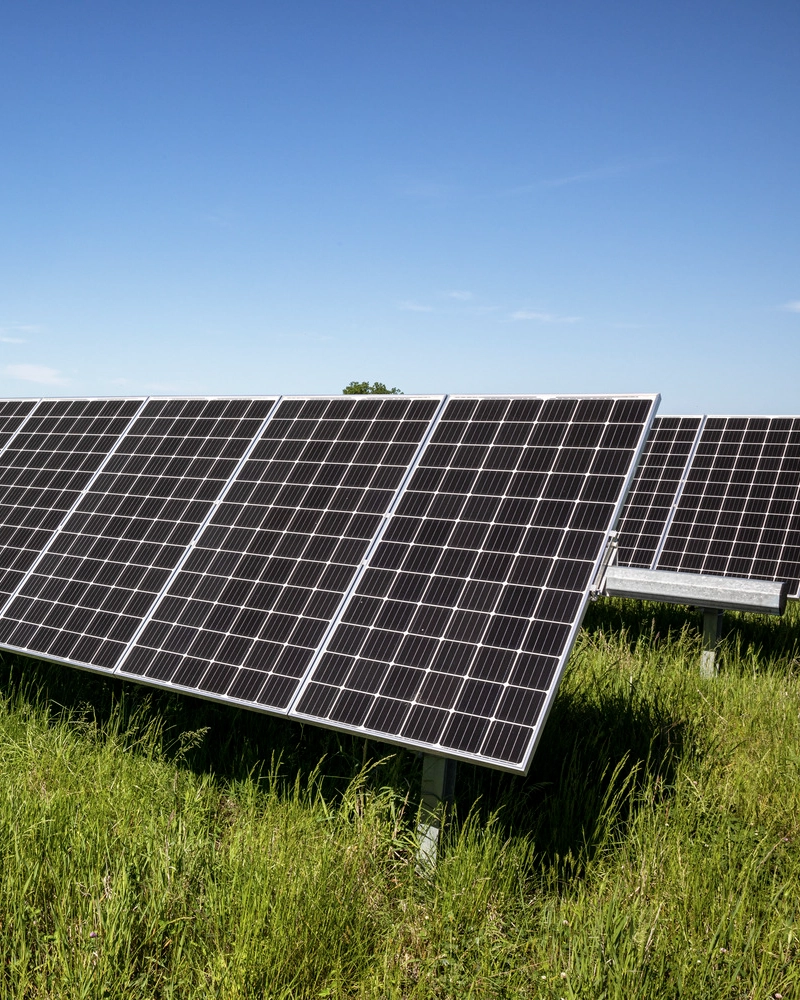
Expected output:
(438, 788)
(608, 560)
(765, 597)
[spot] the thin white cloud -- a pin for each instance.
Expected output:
(585, 176)
(792, 307)
(542, 317)
(9, 332)
(459, 296)
(307, 338)
(35, 373)
(601, 173)
(415, 307)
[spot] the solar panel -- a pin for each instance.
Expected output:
(13, 534)
(409, 568)
(456, 635)
(734, 508)
(651, 498)
(43, 470)
(255, 597)
(85, 597)
(738, 512)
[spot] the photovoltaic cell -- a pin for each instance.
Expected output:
(458, 629)
(652, 496)
(102, 571)
(251, 604)
(738, 513)
(45, 467)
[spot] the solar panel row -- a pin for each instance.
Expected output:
(734, 508)
(410, 568)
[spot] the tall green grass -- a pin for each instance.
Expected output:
(153, 846)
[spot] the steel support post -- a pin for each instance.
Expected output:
(712, 629)
(438, 787)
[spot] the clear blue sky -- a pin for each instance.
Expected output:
(259, 197)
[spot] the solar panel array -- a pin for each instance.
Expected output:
(409, 568)
(735, 507)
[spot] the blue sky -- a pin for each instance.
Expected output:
(448, 197)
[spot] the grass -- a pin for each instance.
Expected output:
(153, 846)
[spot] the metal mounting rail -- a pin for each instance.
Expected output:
(766, 597)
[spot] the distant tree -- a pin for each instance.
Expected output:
(365, 389)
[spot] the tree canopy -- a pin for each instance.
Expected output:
(365, 389)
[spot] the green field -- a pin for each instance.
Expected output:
(156, 846)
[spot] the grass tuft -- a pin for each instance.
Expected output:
(153, 846)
